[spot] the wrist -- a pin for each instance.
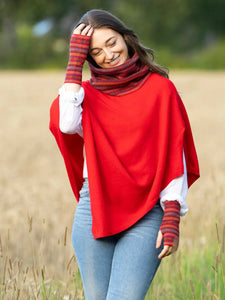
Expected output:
(79, 45)
(170, 223)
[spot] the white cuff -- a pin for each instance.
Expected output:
(177, 190)
(70, 96)
(178, 198)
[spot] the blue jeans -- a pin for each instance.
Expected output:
(118, 267)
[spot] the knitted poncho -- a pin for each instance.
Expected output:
(134, 145)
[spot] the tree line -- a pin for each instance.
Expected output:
(180, 26)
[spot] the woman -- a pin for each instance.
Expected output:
(130, 157)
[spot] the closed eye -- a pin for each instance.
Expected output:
(112, 44)
(96, 52)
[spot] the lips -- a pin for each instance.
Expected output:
(115, 61)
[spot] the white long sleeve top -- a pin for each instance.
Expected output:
(70, 122)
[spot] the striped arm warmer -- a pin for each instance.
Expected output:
(79, 45)
(170, 223)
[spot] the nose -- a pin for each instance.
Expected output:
(108, 53)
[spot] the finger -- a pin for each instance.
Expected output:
(169, 251)
(165, 252)
(90, 31)
(79, 28)
(86, 30)
(159, 239)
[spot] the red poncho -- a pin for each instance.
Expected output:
(134, 145)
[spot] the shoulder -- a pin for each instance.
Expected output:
(163, 84)
(163, 90)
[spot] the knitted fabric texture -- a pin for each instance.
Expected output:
(79, 45)
(120, 80)
(130, 159)
(170, 222)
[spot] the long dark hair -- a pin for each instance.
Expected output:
(100, 18)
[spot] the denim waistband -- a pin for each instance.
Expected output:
(84, 192)
(85, 183)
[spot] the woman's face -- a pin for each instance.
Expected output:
(108, 48)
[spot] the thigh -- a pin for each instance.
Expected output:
(94, 256)
(135, 259)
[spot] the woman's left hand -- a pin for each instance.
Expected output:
(167, 250)
(169, 229)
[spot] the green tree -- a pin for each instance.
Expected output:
(179, 26)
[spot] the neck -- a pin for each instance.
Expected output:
(121, 79)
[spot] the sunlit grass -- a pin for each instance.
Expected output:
(37, 205)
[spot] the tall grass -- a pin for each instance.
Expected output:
(189, 274)
(32, 280)
(37, 205)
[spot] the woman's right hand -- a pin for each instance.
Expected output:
(79, 46)
(83, 29)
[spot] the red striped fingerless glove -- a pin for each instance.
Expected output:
(170, 222)
(79, 45)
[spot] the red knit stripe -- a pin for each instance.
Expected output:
(170, 222)
(121, 79)
(79, 45)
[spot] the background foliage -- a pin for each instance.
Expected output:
(183, 33)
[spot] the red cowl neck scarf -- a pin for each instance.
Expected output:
(134, 145)
(120, 80)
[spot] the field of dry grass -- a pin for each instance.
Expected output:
(37, 204)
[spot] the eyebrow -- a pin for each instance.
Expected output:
(108, 40)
